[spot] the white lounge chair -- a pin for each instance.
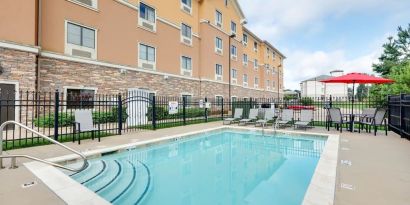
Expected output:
(268, 116)
(378, 120)
(306, 118)
(236, 117)
(84, 123)
(253, 116)
(286, 118)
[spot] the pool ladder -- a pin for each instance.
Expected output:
(14, 157)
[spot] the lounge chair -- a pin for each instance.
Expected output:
(268, 116)
(306, 118)
(377, 120)
(286, 118)
(84, 123)
(236, 117)
(336, 117)
(253, 116)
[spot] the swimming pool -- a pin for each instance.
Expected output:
(224, 166)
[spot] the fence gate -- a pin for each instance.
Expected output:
(137, 104)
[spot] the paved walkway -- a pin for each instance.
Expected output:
(380, 170)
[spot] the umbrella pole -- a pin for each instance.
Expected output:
(352, 118)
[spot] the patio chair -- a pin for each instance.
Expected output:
(286, 118)
(253, 116)
(267, 117)
(83, 122)
(366, 114)
(306, 119)
(336, 117)
(236, 117)
(377, 120)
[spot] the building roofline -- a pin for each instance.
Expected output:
(263, 41)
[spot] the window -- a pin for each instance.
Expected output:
(80, 41)
(88, 3)
(218, 19)
(187, 98)
(267, 84)
(186, 5)
(147, 57)
(219, 100)
(186, 34)
(256, 82)
(267, 52)
(218, 45)
(245, 59)
(234, 52)
(226, 2)
(245, 39)
(234, 74)
(233, 27)
(255, 46)
(186, 63)
(255, 64)
(273, 84)
(245, 80)
(234, 99)
(80, 98)
(218, 72)
(273, 55)
(147, 17)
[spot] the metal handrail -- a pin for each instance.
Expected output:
(13, 162)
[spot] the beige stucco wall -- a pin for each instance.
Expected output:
(17, 21)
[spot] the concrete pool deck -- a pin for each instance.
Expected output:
(379, 171)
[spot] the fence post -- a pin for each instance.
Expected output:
(154, 113)
(183, 109)
(119, 114)
(401, 115)
(56, 110)
(222, 113)
(206, 110)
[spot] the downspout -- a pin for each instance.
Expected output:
(38, 44)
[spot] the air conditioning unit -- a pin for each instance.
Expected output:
(81, 53)
(256, 86)
(218, 51)
(146, 24)
(186, 40)
(219, 24)
(186, 72)
(148, 66)
(244, 43)
(245, 63)
(87, 2)
(234, 57)
(218, 78)
(245, 84)
(255, 49)
(186, 8)
(234, 81)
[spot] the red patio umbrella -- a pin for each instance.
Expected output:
(353, 78)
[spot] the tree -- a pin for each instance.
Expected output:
(362, 91)
(396, 52)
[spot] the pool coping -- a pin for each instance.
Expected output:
(321, 189)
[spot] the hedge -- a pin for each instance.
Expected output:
(67, 119)
(162, 113)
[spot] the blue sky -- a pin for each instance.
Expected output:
(318, 36)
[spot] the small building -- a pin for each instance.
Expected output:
(313, 87)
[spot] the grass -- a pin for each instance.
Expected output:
(37, 141)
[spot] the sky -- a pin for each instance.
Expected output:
(318, 36)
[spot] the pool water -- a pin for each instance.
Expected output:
(227, 167)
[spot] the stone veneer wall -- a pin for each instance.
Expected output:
(18, 66)
(56, 74)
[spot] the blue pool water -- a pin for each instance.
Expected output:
(226, 167)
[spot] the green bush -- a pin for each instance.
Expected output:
(67, 119)
(162, 113)
(306, 101)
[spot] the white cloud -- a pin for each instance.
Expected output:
(302, 65)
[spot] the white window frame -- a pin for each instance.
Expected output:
(256, 82)
(245, 60)
(267, 84)
(141, 61)
(245, 40)
(68, 47)
(94, 5)
(186, 38)
(219, 77)
(255, 64)
(255, 48)
(245, 83)
(183, 70)
(186, 6)
(217, 22)
(219, 51)
(234, 79)
(236, 27)
(234, 55)
(142, 20)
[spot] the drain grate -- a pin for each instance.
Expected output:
(29, 184)
(346, 162)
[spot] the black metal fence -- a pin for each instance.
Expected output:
(399, 114)
(53, 113)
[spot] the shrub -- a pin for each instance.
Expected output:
(306, 101)
(162, 113)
